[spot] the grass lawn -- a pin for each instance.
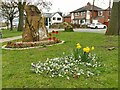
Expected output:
(16, 65)
(8, 33)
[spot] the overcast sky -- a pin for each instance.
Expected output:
(70, 5)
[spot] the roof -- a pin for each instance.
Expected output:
(79, 18)
(60, 13)
(67, 16)
(88, 7)
(108, 9)
(47, 14)
(51, 14)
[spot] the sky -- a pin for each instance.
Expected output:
(67, 6)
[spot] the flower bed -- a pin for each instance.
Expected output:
(30, 44)
(80, 62)
(52, 39)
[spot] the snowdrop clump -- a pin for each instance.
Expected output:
(68, 66)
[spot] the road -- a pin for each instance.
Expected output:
(91, 30)
(50, 30)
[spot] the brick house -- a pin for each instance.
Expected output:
(84, 14)
(67, 18)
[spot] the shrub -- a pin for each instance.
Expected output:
(67, 27)
(57, 25)
(76, 25)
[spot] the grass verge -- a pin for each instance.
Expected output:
(16, 65)
(8, 33)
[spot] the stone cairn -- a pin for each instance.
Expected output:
(34, 29)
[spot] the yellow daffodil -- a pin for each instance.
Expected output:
(78, 46)
(92, 48)
(87, 49)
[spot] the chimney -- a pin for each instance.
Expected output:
(88, 4)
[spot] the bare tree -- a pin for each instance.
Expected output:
(21, 14)
(9, 11)
(42, 4)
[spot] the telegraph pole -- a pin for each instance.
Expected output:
(109, 8)
(93, 10)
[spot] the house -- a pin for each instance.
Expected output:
(84, 15)
(53, 18)
(67, 18)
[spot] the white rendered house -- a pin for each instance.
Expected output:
(51, 18)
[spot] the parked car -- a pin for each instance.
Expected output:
(3, 27)
(97, 25)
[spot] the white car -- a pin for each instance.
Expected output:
(97, 25)
(4, 27)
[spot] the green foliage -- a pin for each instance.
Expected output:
(75, 25)
(76, 53)
(57, 26)
(68, 27)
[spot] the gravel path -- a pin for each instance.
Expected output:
(9, 39)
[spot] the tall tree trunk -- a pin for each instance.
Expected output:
(11, 24)
(21, 16)
(119, 18)
(113, 25)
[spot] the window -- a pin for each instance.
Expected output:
(46, 21)
(82, 13)
(100, 13)
(54, 18)
(49, 19)
(77, 14)
(58, 19)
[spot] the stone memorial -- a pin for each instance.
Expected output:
(34, 29)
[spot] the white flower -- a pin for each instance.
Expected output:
(68, 78)
(48, 68)
(71, 64)
(66, 61)
(59, 75)
(66, 70)
(78, 74)
(88, 64)
(52, 76)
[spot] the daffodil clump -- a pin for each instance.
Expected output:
(82, 53)
(79, 63)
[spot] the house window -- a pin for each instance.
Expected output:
(82, 13)
(54, 18)
(46, 21)
(100, 13)
(77, 14)
(49, 19)
(58, 19)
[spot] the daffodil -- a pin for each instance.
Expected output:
(78, 46)
(92, 48)
(87, 49)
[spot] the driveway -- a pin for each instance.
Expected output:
(10, 39)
